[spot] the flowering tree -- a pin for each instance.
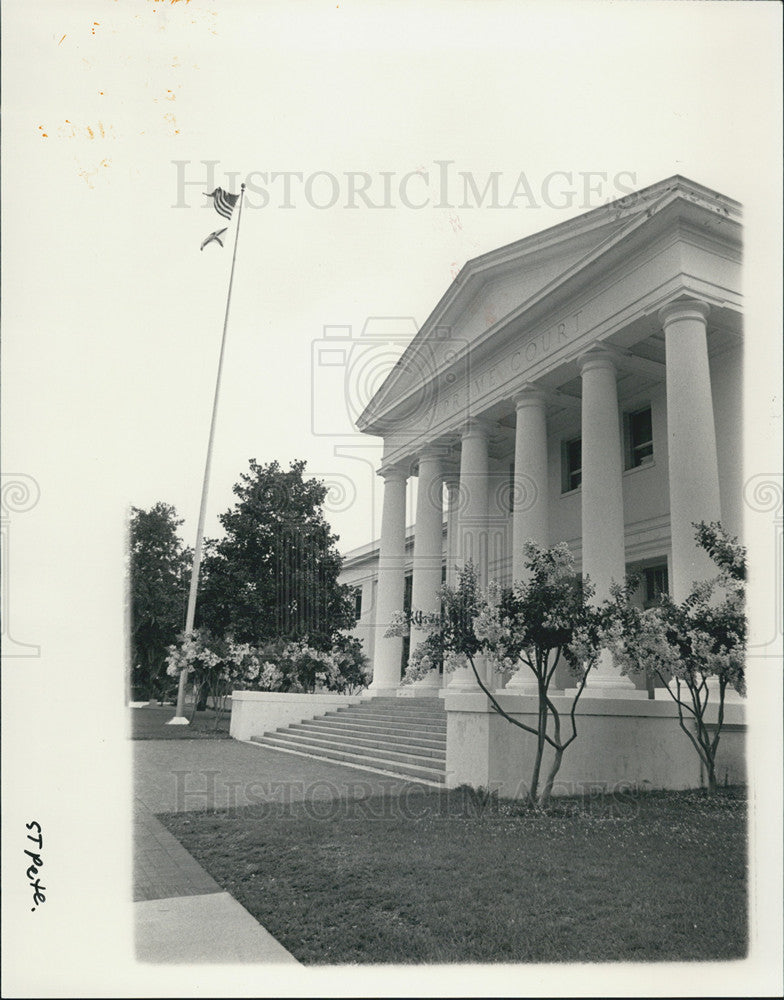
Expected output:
(696, 648)
(353, 667)
(530, 626)
(215, 666)
(299, 667)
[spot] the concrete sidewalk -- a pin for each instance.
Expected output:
(181, 913)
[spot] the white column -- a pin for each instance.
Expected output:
(427, 562)
(693, 466)
(388, 651)
(604, 559)
(452, 506)
(452, 539)
(530, 511)
(472, 520)
(474, 504)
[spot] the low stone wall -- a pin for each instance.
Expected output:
(254, 713)
(620, 743)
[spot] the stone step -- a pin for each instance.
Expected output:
(396, 699)
(397, 736)
(349, 730)
(422, 723)
(403, 747)
(398, 708)
(390, 755)
(361, 760)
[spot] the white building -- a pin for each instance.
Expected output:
(580, 385)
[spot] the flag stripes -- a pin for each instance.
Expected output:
(223, 201)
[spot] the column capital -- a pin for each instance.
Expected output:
(694, 309)
(432, 451)
(477, 427)
(529, 394)
(597, 357)
(390, 473)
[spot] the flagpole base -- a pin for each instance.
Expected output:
(178, 720)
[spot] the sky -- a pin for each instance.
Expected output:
(119, 115)
(123, 313)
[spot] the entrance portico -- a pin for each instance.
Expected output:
(591, 412)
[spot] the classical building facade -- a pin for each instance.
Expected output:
(582, 385)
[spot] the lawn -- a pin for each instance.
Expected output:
(150, 723)
(455, 877)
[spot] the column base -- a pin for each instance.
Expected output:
(429, 693)
(381, 692)
(523, 686)
(427, 687)
(463, 680)
(608, 687)
(523, 682)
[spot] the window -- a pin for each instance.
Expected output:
(639, 438)
(358, 602)
(654, 583)
(407, 593)
(571, 465)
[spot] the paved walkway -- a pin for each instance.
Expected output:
(181, 913)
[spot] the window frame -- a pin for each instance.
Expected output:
(630, 446)
(568, 473)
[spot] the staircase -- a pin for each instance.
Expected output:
(400, 736)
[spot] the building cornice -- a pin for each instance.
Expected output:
(624, 216)
(681, 209)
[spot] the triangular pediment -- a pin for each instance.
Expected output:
(497, 285)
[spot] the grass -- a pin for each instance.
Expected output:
(150, 723)
(443, 877)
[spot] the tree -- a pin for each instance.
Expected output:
(160, 572)
(528, 626)
(297, 667)
(214, 665)
(275, 573)
(697, 648)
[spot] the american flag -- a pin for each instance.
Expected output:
(223, 201)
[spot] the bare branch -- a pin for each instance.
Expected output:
(494, 703)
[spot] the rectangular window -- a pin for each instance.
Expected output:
(639, 438)
(358, 602)
(571, 464)
(407, 593)
(654, 582)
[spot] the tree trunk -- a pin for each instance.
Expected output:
(711, 768)
(532, 794)
(548, 786)
(196, 694)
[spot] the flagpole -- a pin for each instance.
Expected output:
(179, 718)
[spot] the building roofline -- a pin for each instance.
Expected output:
(628, 208)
